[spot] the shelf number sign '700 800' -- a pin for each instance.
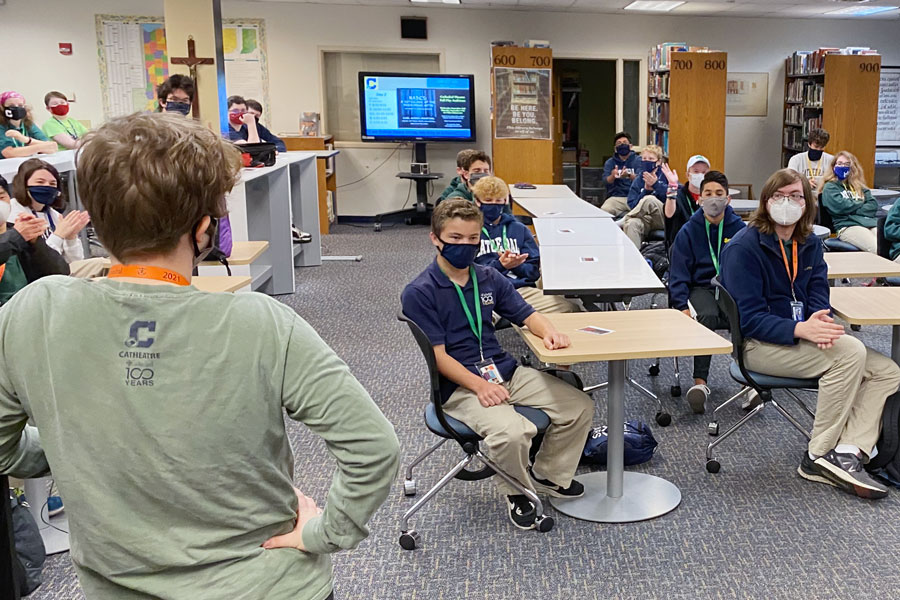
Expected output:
(687, 64)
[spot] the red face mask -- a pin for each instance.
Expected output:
(236, 118)
(60, 110)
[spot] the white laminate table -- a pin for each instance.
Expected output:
(568, 231)
(881, 194)
(617, 271)
(741, 206)
(543, 191)
(568, 206)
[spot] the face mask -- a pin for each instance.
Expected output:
(623, 149)
(236, 118)
(4, 211)
(200, 255)
(696, 179)
(60, 110)
(491, 212)
(713, 206)
(842, 172)
(15, 113)
(785, 212)
(460, 255)
(182, 108)
(43, 194)
(649, 165)
(814, 154)
(474, 177)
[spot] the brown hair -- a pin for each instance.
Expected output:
(856, 180)
(148, 179)
(175, 82)
(50, 95)
(819, 137)
(28, 121)
(455, 208)
(779, 179)
(490, 187)
(463, 155)
(474, 157)
(255, 105)
(232, 100)
(26, 170)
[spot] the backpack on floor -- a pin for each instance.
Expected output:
(886, 463)
(656, 256)
(639, 444)
(29, 555)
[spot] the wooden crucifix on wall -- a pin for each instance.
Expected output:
(191, 61)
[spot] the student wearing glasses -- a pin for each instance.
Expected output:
(777, 275)
(850, 203)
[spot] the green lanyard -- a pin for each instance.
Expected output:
(462, 300)
(20, 129)
(715, 255)
(494, 247)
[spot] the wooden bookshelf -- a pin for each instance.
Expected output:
(686, 104)
(842, 98)
(327, 181)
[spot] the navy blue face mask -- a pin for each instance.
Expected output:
(182, 108)
(459, 255)
(491, 212)
(623, 149)
(648, 165)
(43, 194)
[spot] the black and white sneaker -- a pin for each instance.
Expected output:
(843, 471)
(521, 511)
(751, 401)
(696, 397)
(545, 486)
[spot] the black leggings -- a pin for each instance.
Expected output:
(708, 314)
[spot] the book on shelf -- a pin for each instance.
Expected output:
(793, 139)
(806, 62)
(793, 114)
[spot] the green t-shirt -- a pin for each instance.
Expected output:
(7, 142)
(461, 191)
(54, 127)
(166, 437)
(13, 279)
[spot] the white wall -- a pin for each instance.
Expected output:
(298, 32)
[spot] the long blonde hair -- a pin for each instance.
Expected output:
(856, 180)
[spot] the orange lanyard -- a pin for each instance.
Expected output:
(148, 272)
(791, 276)
(2, 270)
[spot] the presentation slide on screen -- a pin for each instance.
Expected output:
(432, 107)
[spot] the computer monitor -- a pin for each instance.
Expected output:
(407, 107)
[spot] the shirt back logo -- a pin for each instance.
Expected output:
(136, 336)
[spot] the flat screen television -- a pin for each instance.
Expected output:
(407, 107)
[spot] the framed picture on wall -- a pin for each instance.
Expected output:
(747, 95)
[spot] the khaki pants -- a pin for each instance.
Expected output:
(615, 205)
(89, 268)
(854, 383)
(507, 435)
(862, 237)
(645, 217)
(547, 303)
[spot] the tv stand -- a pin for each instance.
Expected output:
(421, 212)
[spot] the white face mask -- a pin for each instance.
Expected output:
(785, 212)
(4, 211)
(696, 179)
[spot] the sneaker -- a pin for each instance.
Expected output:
(575, 489)
(696, 397)
(300, 237)
(54, 506)
(521, 511)
(751, 400)
(843, 471)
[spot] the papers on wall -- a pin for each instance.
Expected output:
(888, 133)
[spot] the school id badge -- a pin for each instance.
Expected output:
(489, 371)
(797, 311)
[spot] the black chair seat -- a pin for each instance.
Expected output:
(535, 415)
(836, 245)
(771, 381)
(657, 235)
(892, 281)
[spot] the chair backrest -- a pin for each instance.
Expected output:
(823, 218)
(434, 375)
(729, 307)
(884, 247)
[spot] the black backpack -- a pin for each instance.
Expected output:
(658, 258)
(886, 463)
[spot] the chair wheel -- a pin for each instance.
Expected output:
(653, 371)
(713, 466)
(855, 327)
(675, 391)
(525, 360)
(408, 220)
(663, 419)
(713, 428)
(410, 540)
(377, 227)
(409, 487)
(544, 524)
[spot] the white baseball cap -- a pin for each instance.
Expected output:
(696, 159)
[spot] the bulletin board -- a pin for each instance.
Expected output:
(888, 133)
(134, 60)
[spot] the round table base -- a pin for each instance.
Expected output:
(645, 497)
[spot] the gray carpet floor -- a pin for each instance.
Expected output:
(754, 530)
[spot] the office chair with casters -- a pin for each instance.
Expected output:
(752, 380)
(884, 251)
(448, 428)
